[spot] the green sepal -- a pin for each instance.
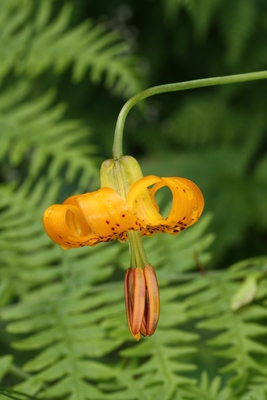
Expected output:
(120, 174)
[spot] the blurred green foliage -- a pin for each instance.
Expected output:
(66, 69)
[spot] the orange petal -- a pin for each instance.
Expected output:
(66, 226)
(85, 220)
(141, 203)
(188, 202)
(152, 299)
(106, 213)
(186, 208)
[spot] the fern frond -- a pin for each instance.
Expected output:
(14, 394)
(5, 364)
(26, 31)
(237, 23)
(209, 390)
(53, 313)
(257, 390)
(21, 227)
(73, 321)
(238, 335)
(202, 120)
(36, 131)
(200, 13)
(214, 120)
(68, 331)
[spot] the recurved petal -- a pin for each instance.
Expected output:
(66, 226)
(142, 203)
(187, 204)
(186, 208)
(106, 213)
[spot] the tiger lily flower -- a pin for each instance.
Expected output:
(124, 208)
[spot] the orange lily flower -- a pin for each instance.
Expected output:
(124, 208)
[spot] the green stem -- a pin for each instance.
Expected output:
(137, 251)
(174, 87)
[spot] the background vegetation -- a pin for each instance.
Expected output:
(66, 69)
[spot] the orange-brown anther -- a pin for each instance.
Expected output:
(142, 301)
(138, 300)
(129, 299)
(152, 300)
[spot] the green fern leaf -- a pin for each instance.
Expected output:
(85, 47)
(238, 332)
(5, 364)
(15, 395)
(209, 390)
(33, 126)
(237, 22)
(73, 321)
(257, 390)
(200, 13)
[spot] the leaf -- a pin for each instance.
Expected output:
(245, 293)
(13, 394)
(209, 390)
(5, 364)
(73, 319)
(33, 126)
(237, 334)
(45, 41)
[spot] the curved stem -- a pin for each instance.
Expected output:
(174, 87)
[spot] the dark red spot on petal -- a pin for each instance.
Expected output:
(107, 222)
(123, 215)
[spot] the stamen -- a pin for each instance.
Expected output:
(152, 299)
(143, 326)
(129, 298)
(139, 299)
